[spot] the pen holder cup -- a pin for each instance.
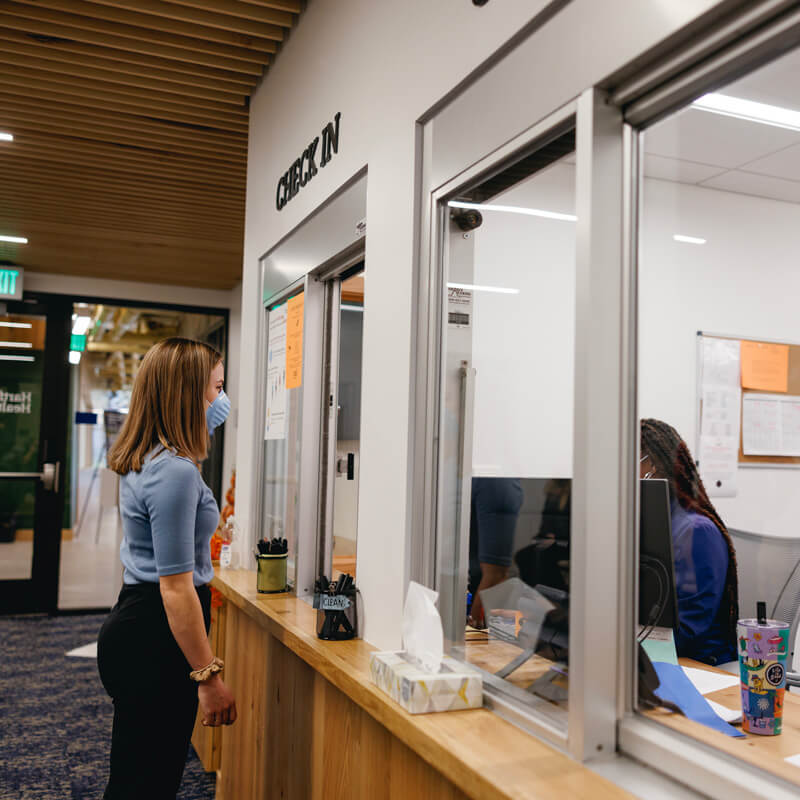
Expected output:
(271, 576)
(337, 615)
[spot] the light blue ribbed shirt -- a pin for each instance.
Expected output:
(168, 517)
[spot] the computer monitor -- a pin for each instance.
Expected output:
(658, 600)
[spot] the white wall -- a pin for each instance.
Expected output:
(381, 65)
(232, 383)
(745, 282)
(523, 345)
(384, 66)
(129, 290)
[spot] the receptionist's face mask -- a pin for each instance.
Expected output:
(218, 412)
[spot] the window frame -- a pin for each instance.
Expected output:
(594, 692)
(701, 765)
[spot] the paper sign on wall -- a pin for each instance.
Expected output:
(770, 425)
(275, 423)
(720, 421)
(294, 342)
(765, 366)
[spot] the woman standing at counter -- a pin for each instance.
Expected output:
(154, 657)
(705, 560)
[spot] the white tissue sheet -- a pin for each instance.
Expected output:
(423, 638)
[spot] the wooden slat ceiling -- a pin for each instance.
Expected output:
(130, 133)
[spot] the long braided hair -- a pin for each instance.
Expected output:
(671, 458)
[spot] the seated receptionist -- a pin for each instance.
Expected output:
(705, 559)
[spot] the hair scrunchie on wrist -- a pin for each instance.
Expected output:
(206, 672)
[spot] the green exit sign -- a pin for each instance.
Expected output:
(11, 283)
(77, 342)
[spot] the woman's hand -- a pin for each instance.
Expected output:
(216, 702)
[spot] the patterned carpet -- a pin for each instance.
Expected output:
(55, 717)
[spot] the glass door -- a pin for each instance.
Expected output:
(341, 430)
(33, 418)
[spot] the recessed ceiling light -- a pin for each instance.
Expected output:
(16, 358)
(16, 325)
(531, 212)
(688, 239)
(16, 344)
(6, 137)
(749, 110)
(472, 288)
(14, 239)
(74, 357)
(81, 325)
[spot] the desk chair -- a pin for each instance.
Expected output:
(769, 570)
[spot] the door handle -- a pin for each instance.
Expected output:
(51, 472)
(49, 476)
(347, 466)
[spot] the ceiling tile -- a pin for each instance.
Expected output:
(716, 140)
(783, 164)
(671, 169)
(759, 185)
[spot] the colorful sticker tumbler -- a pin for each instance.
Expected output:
(763, 647)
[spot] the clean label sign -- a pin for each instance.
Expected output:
(11, 283)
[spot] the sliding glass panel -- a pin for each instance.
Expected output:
(719, 401)
(282, 426)
(508, 359)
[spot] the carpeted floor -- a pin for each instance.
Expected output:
(55, 717)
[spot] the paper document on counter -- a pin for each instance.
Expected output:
(706, 681)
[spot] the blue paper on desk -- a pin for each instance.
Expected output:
(677, 688)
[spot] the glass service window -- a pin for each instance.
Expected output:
(719, 408)
(507, 427)
(283, 425)
(348, 425)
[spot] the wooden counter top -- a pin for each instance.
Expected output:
(766, 752)
(477, 751)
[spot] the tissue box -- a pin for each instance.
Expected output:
(453, 688)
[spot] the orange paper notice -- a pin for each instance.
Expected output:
(765, 366)
(294, 342)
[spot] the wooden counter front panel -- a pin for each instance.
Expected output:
(299, 737)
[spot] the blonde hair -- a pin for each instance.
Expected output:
(167, 404)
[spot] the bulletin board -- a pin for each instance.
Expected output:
(793, 388)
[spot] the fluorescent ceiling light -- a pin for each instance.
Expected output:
(749, 110)
(16, 325)
(16, 344)
(81, 325)
(16, 358)
(688, 239)
(6, 137)
(14, 239)
(531, 212)
(472, 288)
(74, 357)
(351, 308)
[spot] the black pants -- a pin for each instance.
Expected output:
(155, 702)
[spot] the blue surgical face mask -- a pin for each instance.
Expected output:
(218, 412)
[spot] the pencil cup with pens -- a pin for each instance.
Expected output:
(337, 616)
(271, 558)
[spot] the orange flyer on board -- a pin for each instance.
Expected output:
(765, 366)
(294, 342)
